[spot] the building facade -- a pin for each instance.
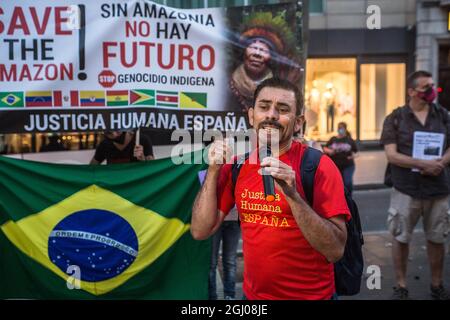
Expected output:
(359, 55)
(433, 44)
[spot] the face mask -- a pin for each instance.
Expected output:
(428, 96)
(341, 132)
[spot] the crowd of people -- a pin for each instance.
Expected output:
(298, 242)
(297, 261)
(292, 242)
(299, 249)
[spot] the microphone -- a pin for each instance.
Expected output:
(268, 182)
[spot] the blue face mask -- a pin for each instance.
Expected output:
(341, 132)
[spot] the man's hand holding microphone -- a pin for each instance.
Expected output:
(283, 175)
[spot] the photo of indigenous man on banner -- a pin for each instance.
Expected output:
(120, 65)
(267, 44)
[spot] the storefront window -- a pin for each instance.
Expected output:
(382, 89)
(42, 142)
(316, 6)
(330, 96)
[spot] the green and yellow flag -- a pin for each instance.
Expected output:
(142, 97)
(121, 230)
(11, 99)
(193, 100)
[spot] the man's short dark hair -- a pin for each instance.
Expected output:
(413, 77)
(282, 84)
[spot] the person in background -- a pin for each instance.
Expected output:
(120, 147)
(420, 185)
(54, 144)
(342, 149)
(3, 144)
(228, 234)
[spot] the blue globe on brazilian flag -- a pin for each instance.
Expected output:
(124, 227)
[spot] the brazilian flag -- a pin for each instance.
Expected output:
(11, 99)
(100, 232)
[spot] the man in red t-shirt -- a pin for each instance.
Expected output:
(289, 248)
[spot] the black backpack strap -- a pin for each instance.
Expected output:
(310, 163)
(236, 168)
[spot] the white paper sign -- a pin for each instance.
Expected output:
(427, 145)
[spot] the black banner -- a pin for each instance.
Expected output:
(75, 120)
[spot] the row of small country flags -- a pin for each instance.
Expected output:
(114, 98)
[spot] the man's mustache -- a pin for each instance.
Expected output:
(270, 123)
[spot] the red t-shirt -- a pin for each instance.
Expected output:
(279, 263)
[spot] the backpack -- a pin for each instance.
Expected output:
(396, 114)
(349, 269)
